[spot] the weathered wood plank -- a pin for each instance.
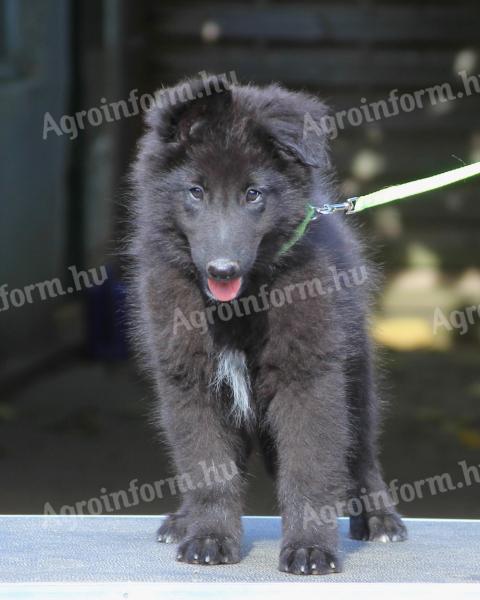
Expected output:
(299, 22)
(439, 118)
(312, 66)
(400, 158)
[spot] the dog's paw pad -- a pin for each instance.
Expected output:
(208, 550)
(308, 560)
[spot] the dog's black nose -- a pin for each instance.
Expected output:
(223, 269)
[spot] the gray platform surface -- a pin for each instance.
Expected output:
(113, 550)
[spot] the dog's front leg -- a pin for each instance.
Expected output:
(206, 453)
(308, 421)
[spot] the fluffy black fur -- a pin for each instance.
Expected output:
(313, 402)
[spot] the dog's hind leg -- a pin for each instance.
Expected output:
(269, 452)
(174, 527)
(375, 517)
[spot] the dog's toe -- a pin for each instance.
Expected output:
(308, 560)
(208, 550)
(172, 529)
(387, 527)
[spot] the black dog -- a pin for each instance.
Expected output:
(247, 338)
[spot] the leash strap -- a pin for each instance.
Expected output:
(405, 190)
(389, 194)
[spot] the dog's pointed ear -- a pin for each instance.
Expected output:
(181, 113)
(295, 125)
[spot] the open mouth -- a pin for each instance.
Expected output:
(224, 290)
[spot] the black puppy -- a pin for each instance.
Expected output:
(247, 334)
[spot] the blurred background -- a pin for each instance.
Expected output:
(74, 415)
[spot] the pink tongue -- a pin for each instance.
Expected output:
(225, 290)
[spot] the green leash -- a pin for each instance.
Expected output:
(389, 194)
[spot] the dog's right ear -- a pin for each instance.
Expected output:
(286, 116)
(182, 113)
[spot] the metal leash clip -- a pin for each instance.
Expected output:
(348, 206)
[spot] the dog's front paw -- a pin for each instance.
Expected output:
(173, 529)
(384, 527)
(209, 550)
(308, 560)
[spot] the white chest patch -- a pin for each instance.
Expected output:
(232, 370)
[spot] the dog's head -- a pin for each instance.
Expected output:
(225, 173)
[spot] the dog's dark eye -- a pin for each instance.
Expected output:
(196, 192)
(253, 195)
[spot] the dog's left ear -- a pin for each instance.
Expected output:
(188, 108)
(295, 122)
